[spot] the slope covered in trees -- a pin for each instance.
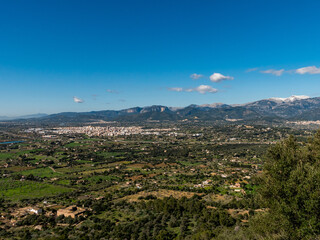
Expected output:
(289, 192)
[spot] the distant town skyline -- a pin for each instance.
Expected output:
(61, 56)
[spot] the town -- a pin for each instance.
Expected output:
(96, 131)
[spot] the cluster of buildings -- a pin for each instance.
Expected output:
(306, 122)
(89, 130)
(203, 184)
(100, 131)
(19, 213)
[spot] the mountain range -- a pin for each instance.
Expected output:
(31, 116)
(291, 108)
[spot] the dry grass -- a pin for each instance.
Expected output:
(162, 193)
(161, 165)
(235, 212)
(19, 168)
(139, 165)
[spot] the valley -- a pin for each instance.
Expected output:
(63, 183)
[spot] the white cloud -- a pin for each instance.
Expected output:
(251, 69)
(274, 72)
(196, 76)
(304, 70)
(310, 70)
(111, 91)
(218, 77)
(77, 100)
(176, 89)
(203, 89)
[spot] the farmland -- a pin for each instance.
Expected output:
(118, 181)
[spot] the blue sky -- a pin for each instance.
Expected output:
(119, 54)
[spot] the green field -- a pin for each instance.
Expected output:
(42, 172)
(17, 190)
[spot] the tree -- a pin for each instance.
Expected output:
(290, 189)
(164, 235)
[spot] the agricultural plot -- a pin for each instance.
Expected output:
(22, 190)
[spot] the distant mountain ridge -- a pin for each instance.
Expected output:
(291, 108)
(38, 115)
